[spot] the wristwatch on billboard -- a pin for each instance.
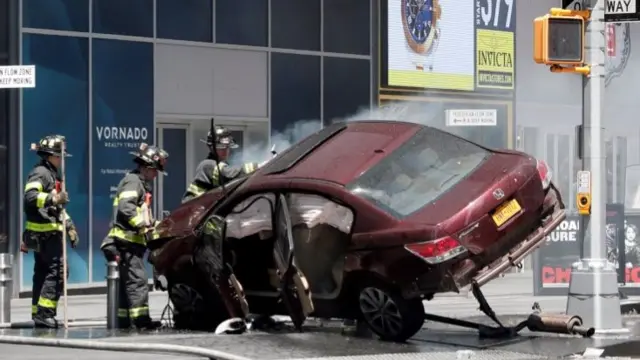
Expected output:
(420, 25)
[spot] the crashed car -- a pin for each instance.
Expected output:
(362, 220)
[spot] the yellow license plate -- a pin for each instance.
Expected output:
(505, 212)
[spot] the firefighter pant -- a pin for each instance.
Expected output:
(47, 272)
(133, 295)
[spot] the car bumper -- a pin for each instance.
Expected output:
(553, 214)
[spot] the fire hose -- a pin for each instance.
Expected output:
(121, 346)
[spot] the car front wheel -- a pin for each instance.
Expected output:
(388, 314)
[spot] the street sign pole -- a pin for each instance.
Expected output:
(593, 288)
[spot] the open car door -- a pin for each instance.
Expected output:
(294, 289)
(211, 258)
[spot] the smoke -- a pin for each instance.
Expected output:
(415, 112)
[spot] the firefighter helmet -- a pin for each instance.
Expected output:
(50, 145)
(151, 156)
(221, 138)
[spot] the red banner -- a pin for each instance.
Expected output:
(561, 275)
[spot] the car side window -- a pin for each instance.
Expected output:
(314, 210)
(251, 216)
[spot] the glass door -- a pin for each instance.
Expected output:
(174, 139)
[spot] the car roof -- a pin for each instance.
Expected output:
(341, 152)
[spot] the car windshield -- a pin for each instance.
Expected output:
(418, 172)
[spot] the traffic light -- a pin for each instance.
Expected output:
(559, 39)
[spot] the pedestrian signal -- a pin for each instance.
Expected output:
(558, 40)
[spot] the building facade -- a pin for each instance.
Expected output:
(113, 73)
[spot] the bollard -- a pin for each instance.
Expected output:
(6, 287)
(113, 280)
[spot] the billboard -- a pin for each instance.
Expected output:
(552, 264)
(449, 44)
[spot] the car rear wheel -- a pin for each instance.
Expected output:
(388, 314)
(197, 305)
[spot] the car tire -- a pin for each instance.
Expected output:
(196, 303)
(402, 317)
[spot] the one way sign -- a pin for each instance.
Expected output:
(621, 11)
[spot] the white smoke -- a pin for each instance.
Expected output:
(415, 112)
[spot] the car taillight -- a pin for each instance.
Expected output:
(437, 251)
(545, 173)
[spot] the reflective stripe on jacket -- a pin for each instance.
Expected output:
(40, 213)
(209, 175)
(131, 210)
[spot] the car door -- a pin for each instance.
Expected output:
(211, 258)
(294, 288)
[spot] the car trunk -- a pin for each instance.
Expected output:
(470, 204)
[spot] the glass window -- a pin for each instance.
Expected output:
(295, 24)
(62, 63)
(4, 29)
(295, 96)
(68, 15)
(188, 20)
(347, 87)
(122, 119)
(242, 22)
(347, 26)
(4, 168)
(123, 17)
(424, 168)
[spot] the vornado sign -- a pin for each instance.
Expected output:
(121, 133)
(121, 136)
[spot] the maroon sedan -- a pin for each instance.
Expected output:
(360, 220)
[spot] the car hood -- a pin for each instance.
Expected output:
(183, 220)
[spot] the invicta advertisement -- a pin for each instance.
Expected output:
(495, 44)
(451, 44)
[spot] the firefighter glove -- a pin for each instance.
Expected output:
(60, 198)
(73, 237)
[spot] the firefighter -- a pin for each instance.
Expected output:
(214, 170)
(132, 226)
(43, 201)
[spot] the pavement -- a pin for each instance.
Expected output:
(510, 296)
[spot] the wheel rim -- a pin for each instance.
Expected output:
(186, 299)
(380, 311)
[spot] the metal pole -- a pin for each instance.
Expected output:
(113, 280)
(6, 287)
(63, 214)
(593, 288)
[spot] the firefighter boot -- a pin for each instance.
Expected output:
(43, 321)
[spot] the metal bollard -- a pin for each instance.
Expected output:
(6, 287)
(113, 280)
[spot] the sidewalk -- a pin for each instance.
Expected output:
(516, 284)
(93, 307)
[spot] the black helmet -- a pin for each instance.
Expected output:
(151, 156)
(50, 145)
(222, 138)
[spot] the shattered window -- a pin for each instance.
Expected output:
(418, 172)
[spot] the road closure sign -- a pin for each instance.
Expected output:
(15, 77)
(621, 11)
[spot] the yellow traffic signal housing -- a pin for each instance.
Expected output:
(558, 40)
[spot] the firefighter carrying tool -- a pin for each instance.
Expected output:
(214, 171)
(43, 201)
(132, 226)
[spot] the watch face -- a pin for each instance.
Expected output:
(419, 20)
(419, 15)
